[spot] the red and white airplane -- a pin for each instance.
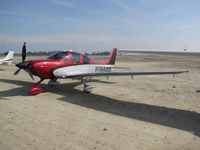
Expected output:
(69, 64)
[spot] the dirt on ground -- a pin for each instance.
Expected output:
(146, 113)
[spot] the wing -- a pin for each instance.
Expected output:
(126, 73)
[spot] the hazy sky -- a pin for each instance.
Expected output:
(90, 25)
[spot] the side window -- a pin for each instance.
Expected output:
(86, 60)
(75, 58)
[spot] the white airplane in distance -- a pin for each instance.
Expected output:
(8, 59)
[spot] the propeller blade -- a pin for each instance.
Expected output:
(29, 72)
(16, 72)
(31, 75)
(24, 52)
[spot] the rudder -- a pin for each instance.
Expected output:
(111, 59)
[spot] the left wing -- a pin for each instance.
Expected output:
(126, 73)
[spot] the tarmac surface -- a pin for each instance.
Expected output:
(146, 113)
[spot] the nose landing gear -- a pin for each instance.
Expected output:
(36, 90)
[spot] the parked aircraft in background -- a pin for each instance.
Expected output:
(69, 64)
(8, 58)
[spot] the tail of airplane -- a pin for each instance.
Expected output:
(111, 59)
(9, 56)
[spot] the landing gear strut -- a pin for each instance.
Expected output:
(87, 88)
(36, 90)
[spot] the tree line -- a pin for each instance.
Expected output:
(47, 53)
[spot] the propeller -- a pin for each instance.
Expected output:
(23, 64)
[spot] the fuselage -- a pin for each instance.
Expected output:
(65, 64)
(7, 62)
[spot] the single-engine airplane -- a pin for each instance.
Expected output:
(8, 59)
(69, 64)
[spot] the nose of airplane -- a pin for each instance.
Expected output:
(22, 65)
(26, 66)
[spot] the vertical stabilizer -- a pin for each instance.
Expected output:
(9, 56)
(111, 59)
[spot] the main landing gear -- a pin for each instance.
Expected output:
(87, 88)
(53, 82)
(36, 90)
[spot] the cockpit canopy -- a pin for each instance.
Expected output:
(75, 58)
(59, 55)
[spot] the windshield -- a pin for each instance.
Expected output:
(59, 55)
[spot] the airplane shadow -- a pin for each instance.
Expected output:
(198, 91)
(170, 117)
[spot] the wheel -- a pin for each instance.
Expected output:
(88, 88)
